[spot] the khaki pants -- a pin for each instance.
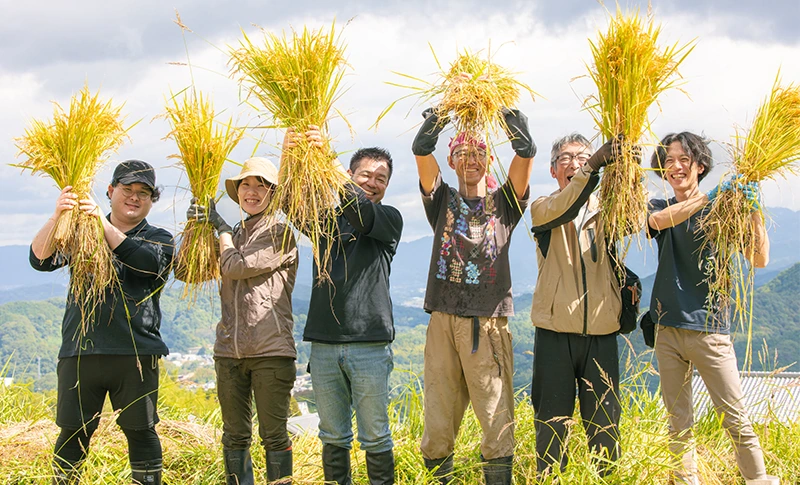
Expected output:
(676, 350)
(454, 377)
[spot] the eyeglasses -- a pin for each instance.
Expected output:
(143, 195)
(567, 158)
(463, 155)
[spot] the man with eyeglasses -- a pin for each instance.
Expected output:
(576, 309)
(468, 352)
(118, 355)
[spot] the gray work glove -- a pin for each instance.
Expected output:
(428, 134)
(208, 214)
(518, 133)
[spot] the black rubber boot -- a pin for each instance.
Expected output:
(336, 464)
(146, 473)
(66, 472)
(238, 467)
(497, 471)
(279, 467)
(380, 468)
(442, 468)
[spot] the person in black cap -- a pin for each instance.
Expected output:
(119, 352)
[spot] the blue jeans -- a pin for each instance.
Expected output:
(347, 377)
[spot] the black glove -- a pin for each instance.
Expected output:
(606, 154)
(208, 214)
(428, 134)
(518, 133)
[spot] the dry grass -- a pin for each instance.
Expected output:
(630, 70)
(770, 149)
(297, 79)
(204, 145)
(471, 91)
(70, 149)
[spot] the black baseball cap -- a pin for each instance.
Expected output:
(132, 171)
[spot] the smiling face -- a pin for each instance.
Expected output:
(570, 159)
(130, 203)
(372, 176)
(469, 162)
(254, 194)
(680, 170)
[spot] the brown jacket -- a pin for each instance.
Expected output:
(258, 276)
(577, 290)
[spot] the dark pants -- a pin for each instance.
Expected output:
(131, 384)
(563, 363)
(270, 380)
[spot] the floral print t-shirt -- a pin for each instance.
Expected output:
(469, 273)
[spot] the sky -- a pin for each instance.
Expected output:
(133, 52)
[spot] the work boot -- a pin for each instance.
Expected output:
(146, 472)
(238, 467)
(336, 464)
(279, 466)
(380, 468)
(442, 468)
(769, 480)
(66, 472)
(497, 471)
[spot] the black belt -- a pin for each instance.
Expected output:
(476, 331)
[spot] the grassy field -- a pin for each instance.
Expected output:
(191, 429)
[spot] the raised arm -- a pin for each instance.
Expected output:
(423, 147)
(519, 172)
(42, 245)
(677, 213)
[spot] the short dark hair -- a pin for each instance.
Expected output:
(375, 153)
(696, 146)
(153, 197)
(566, 140)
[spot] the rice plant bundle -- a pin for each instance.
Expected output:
(630, 70)
(471, 92)
(203, 147)
(70, 149)
(297, 79)
(770, 149)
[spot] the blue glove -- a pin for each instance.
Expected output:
(723, 187)
(752, 194)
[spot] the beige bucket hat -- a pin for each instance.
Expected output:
(257, 167)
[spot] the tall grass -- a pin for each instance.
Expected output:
(768, 150)
(70, 149)
(630, 70)
(204, 147)
(190, 431)
(297, 79)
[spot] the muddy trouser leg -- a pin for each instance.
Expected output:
(714, 357)
(552, 396)
(675, 370)
(598, 395)
(446, 394)
(234, 391)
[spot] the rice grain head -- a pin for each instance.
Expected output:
(204, 144)
(297, 79)
(70, 149)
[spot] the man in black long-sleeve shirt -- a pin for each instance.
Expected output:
(350, 324)
(118, 352)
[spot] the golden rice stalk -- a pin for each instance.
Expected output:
(770, 149)
(471, 91)
(71, 149)
(203, 147)
(630, 70)
(297, 78)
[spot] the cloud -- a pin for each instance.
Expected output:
(125, 48)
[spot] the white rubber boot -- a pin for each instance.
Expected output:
(770, 480)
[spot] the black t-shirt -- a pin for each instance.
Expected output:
(680, 292)
(355, 305)
(469, 273)
(143, 261)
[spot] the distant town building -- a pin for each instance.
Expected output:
(767, 396)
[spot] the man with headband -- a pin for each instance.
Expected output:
(468, 353)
